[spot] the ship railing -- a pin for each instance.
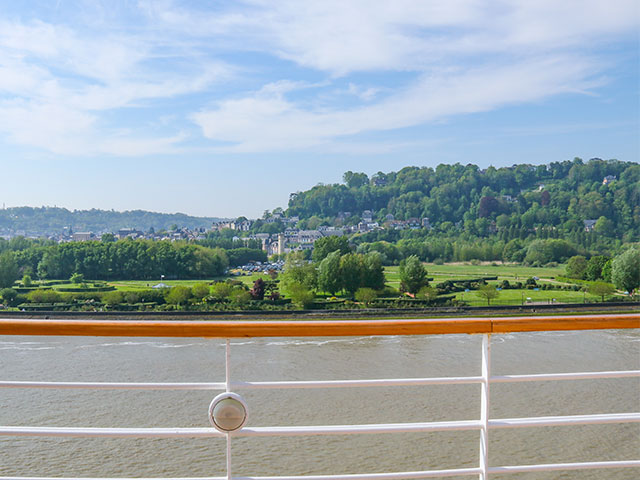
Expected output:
(327, 328)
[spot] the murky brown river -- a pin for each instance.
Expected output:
(181, 360)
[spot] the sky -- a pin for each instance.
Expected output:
(224, 108)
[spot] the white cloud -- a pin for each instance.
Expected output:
(267, 121)
(57, 84)
(366, 35)
(64, 87)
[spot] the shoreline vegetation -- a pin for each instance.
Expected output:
(456, 286)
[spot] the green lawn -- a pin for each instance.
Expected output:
(519, 297)
(513, 273)
(439, 273)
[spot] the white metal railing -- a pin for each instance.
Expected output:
(484, 424)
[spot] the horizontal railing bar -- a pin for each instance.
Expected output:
(114, 385)
(375, 476)
(95, 432)
(549, 467)
(378, 382)
(318, 328)
(391, 382)
(319, 429)
(541, 377)
(595, 419)
(363, 476)
(388, 476)
(359, 429)
(99, 432)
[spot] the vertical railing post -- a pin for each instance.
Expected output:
(227, 375)
(484, 407)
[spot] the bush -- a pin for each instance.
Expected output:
(300, 295)
(44, 296)
(366, 295)
(200, 290)
(240, 296)
(178, 295)
(113, 298)
(8, 295)
(221, 290)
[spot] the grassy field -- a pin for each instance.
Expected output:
(513, 273)
(510, 272)
(439, 273)
(528, 297)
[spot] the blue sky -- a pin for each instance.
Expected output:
(221, 108)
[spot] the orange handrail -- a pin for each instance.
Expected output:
(316, 328)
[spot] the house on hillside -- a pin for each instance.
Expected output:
(589, 225)
(609, 179)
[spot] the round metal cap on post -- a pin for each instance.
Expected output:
(228, 412)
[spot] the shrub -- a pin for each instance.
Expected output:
(366, 295)
(300, 295)
(200, 290)
(240, 296)
(44, 296)
(8, 295)
(178, 295)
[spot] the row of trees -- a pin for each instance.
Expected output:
(126, 259)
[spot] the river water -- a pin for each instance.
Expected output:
(198, 360)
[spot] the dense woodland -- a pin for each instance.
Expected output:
(54, 220)
(524, 213)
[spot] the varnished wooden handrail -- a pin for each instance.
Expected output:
(318, 328)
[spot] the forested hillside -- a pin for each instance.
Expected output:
(509, 213)
(52, 220)
(522, 195)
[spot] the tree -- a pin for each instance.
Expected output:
(601, 289)
(413, 275)
(299, 270)
(108, 238)
(427, 293)
(8, 269)
(257, 292)
(325, 245)
(373, 274)
(301, 295)
(240, 296)
(77, 278)
(576, 267)
(351, 272)
(604, 226)
(113, 298)
(355, 180)
(26, 281)
(200, 290)
(44, 296)
(8, 295)
(178, 295)
(221, 290)
(329, 279)
(625, 270)
(366, 295)
(595, 266)
(488, 292)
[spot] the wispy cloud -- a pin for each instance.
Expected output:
(58, 86)
(267, 121)
(69, 86)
